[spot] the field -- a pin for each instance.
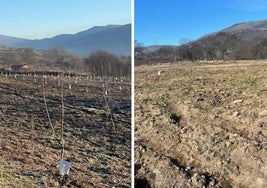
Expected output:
(201, 124)
(99, 150)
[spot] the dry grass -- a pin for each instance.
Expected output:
(222, 106)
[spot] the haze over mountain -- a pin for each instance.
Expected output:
(246, 40)
(115, 39)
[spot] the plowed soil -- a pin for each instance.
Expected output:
(201, 124)
(99, 151)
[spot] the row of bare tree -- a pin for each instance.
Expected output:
(98, 63)
(104, 63)
(221, 46)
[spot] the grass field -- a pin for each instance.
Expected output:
(99, 151)
(201, 124)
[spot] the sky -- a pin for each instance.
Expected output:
(170, 22)
(36, 19)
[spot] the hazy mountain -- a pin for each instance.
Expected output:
(113, 38)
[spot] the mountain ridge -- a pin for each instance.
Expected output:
(117, 40)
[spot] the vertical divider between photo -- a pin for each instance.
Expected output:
(132, 92)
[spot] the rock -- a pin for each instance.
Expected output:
(237, 101)
(184, 130)
(227, 144)
(199, 180)
(94, 111)
(212, 182)
(263, 113)
(236, 114)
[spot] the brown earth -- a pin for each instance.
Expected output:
(99, 152)
(201, 124)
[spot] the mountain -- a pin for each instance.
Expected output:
(248, 30)
(112, 38)
(246, 40)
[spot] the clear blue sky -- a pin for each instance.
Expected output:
(46, 18)
(168, 21)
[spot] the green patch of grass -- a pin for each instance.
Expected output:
(147, 100)
(188, 88)
(7, 176)
(9, 179)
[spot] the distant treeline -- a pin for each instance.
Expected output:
(221, 46)
(58, 60)
(105, 63)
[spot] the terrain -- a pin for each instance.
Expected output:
(201, 124)
(112, 38)
(96, 126)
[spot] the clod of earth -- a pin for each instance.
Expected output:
(175, 119)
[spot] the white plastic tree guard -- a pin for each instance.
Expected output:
(64, 167)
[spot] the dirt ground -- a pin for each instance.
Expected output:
(99, 152)
(201, 124)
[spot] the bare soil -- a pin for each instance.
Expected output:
(201, 124)
(99, 152)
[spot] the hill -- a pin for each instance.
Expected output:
(55, 59)
(115, 39)
(246, 40)
(243, 41)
